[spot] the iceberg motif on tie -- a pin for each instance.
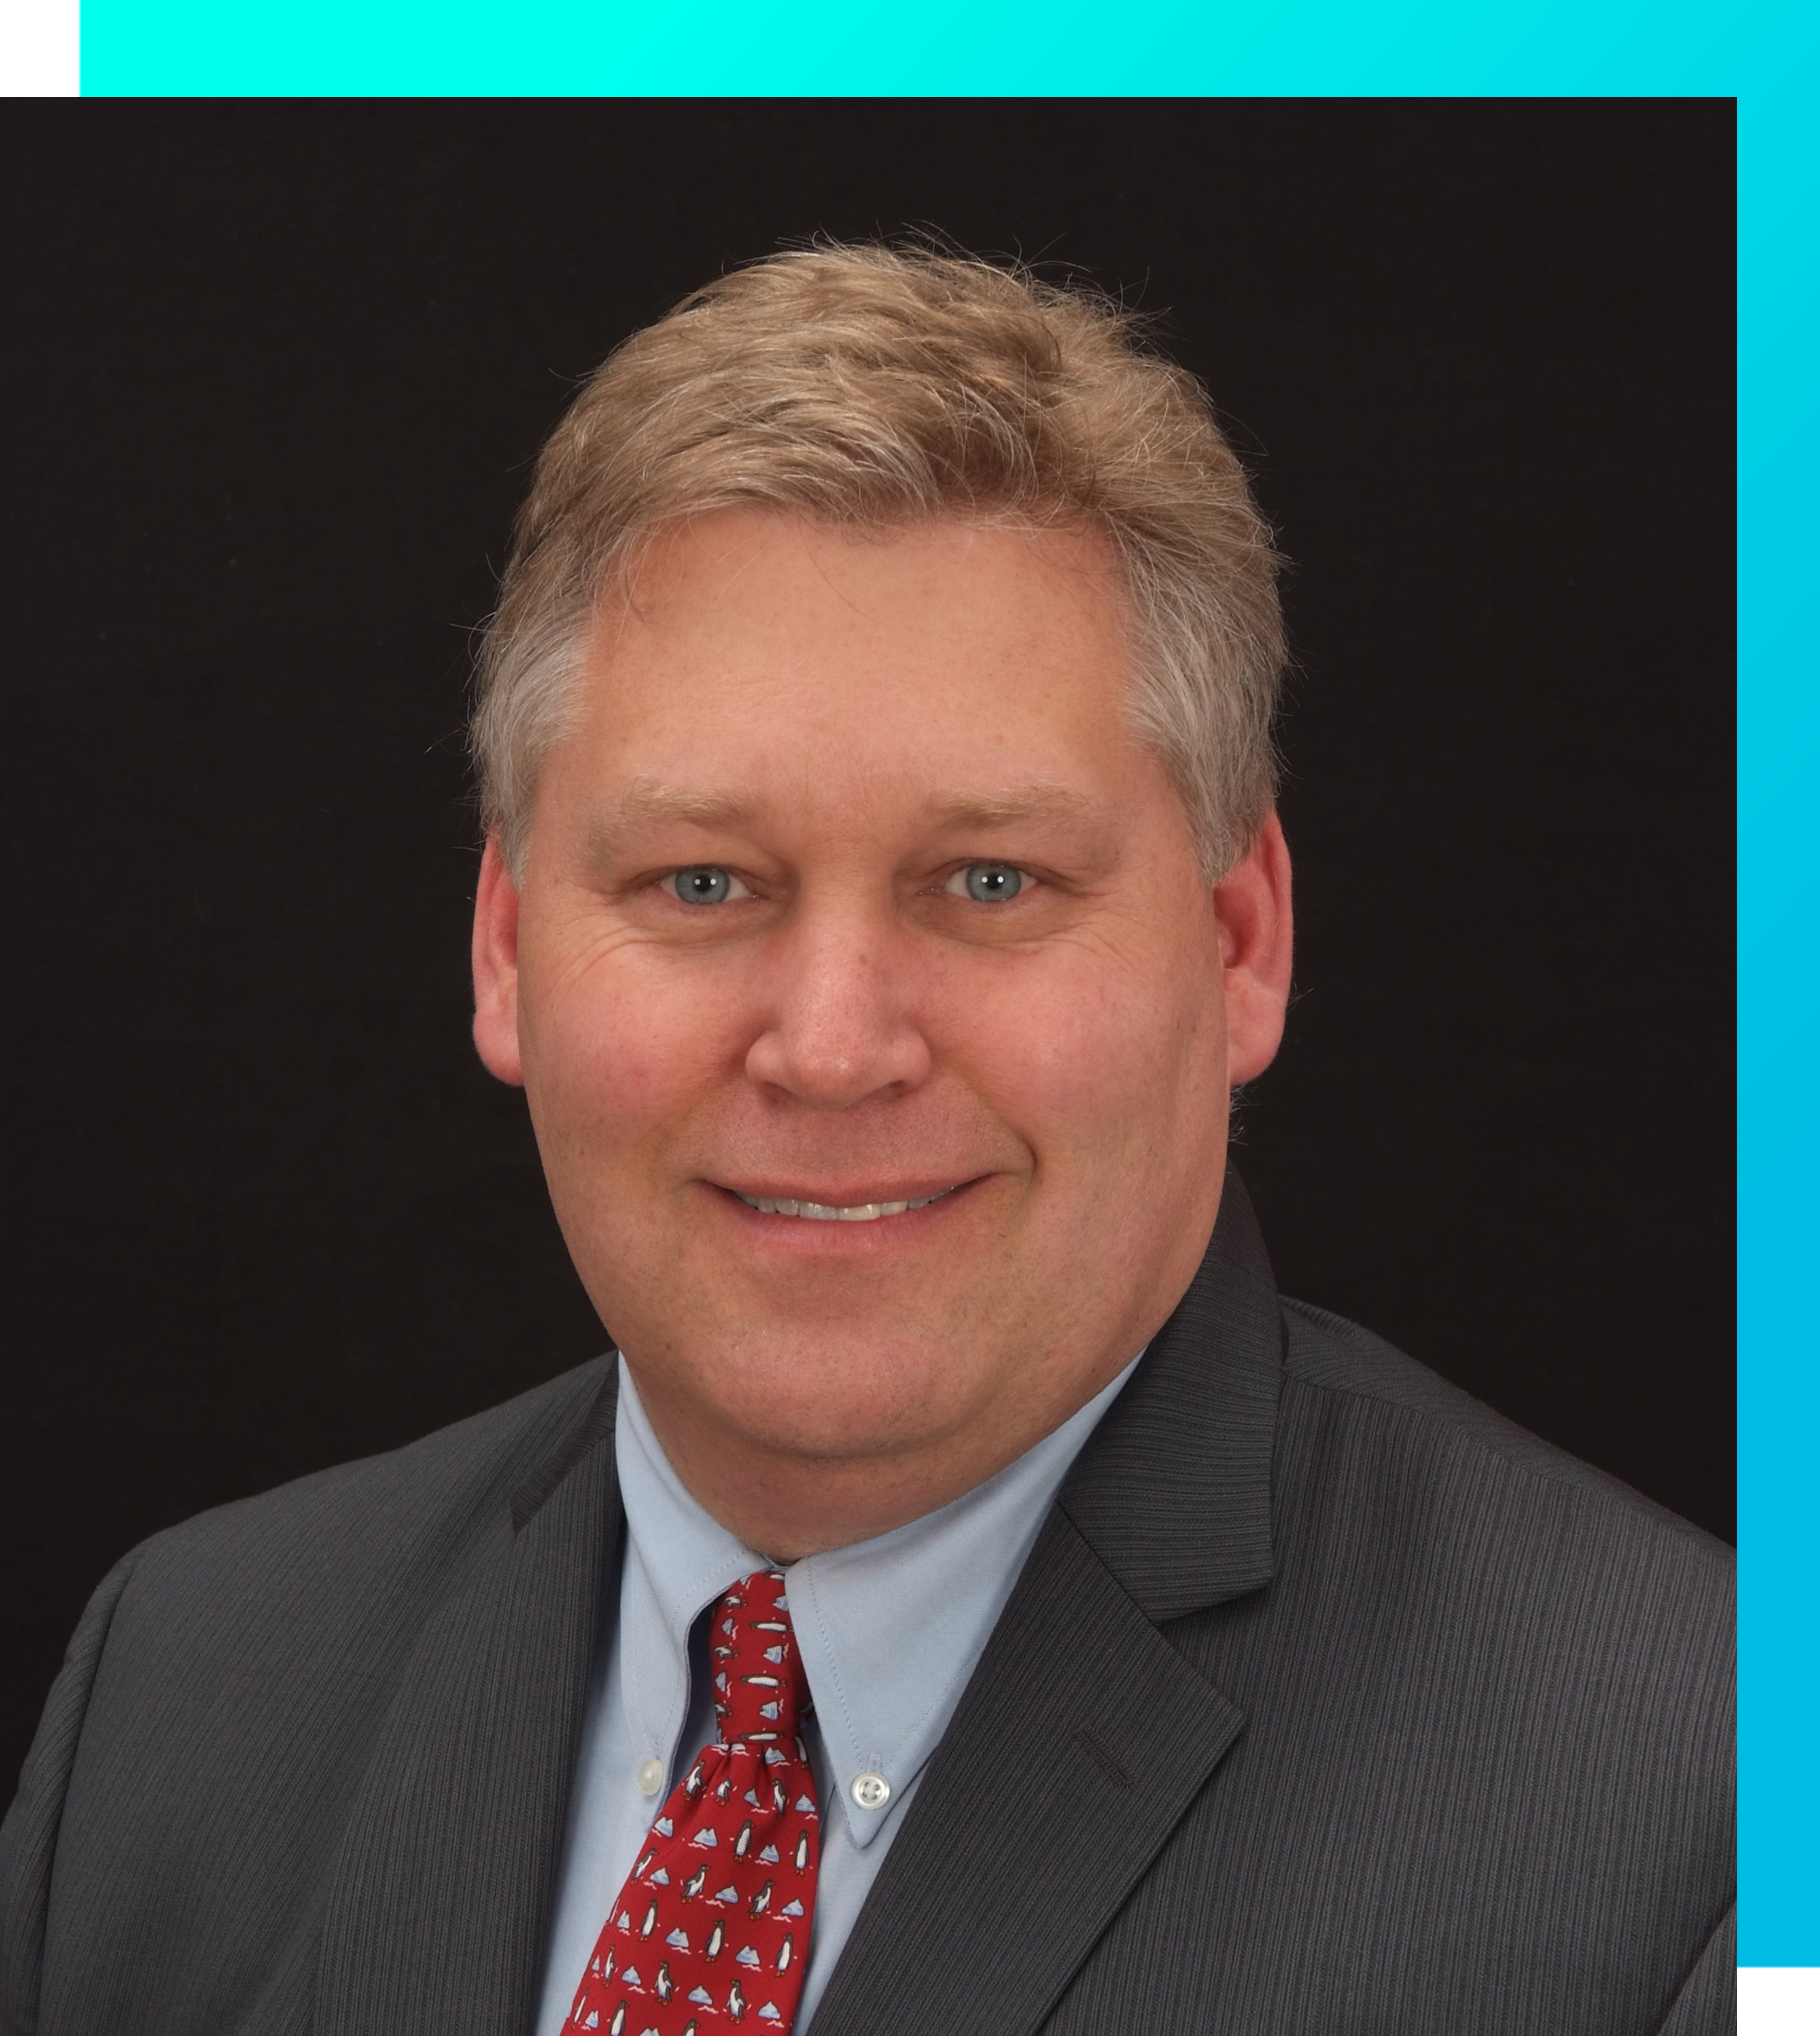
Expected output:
(746, 1957)
(769, 1856)
(705, 1837)
(664, 1828)
(701, 1995)
(791, 1909)
(769, 2012)
(679, 1939)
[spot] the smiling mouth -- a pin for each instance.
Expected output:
(829, 1213)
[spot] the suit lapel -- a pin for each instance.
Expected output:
(1083, 1736)
(437, 1915)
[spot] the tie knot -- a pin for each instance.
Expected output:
(760, 1691)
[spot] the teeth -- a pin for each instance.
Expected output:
(826, 1212)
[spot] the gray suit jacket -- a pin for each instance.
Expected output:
(1328, 1703)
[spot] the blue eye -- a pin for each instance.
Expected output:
(988, 883)
(706, 886)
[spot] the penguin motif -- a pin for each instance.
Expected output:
(693, 1785)
(802, 1856)
(785, 1955)
(744, 1840)
(736, 2003)
(695, 1882)
(650, 1922)
(762, 1901)
(617, 2026)
(717, 1937)
(665, 1986)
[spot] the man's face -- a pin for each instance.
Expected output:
(851, 890)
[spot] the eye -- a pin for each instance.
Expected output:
(707, 884)
(987, 883)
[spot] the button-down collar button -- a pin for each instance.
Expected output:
(871, 1791)
(650, 1776)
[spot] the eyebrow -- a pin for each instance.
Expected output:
(1032, 802)
(646, 799)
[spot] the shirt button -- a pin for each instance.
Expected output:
(871, 1791)
(650, 1776)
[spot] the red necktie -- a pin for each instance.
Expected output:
(713, 1926)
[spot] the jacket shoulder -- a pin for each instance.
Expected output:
(380, 1510)
(231, 1672)
(1330, 1356)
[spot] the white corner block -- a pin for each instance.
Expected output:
(40, 49)
(1779, 2000)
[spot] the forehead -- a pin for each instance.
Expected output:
(757, 656)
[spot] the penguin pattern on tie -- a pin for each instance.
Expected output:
(712, 1927)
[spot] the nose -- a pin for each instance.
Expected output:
(840, 1029)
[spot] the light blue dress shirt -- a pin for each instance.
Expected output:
(889, 1630)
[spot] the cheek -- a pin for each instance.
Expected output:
(618, 1049)
(1111, 1060)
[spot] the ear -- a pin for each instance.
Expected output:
(496, 968)
(1252, 904)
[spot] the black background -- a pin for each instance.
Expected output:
(274, 373)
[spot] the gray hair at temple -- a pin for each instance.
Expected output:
(871, 388)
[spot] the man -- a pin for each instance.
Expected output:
(971, 1599)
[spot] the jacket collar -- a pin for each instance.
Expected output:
(1172, 1493)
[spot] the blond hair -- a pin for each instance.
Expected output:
(871, 387)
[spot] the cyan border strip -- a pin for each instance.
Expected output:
(1019, 47)
(1778, 1042)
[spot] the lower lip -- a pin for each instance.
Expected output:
(822, 1234)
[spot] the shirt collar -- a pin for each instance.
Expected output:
(888, 1630)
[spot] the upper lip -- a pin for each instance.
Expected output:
(843, 1196)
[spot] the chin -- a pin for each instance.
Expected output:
(842, 1407)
